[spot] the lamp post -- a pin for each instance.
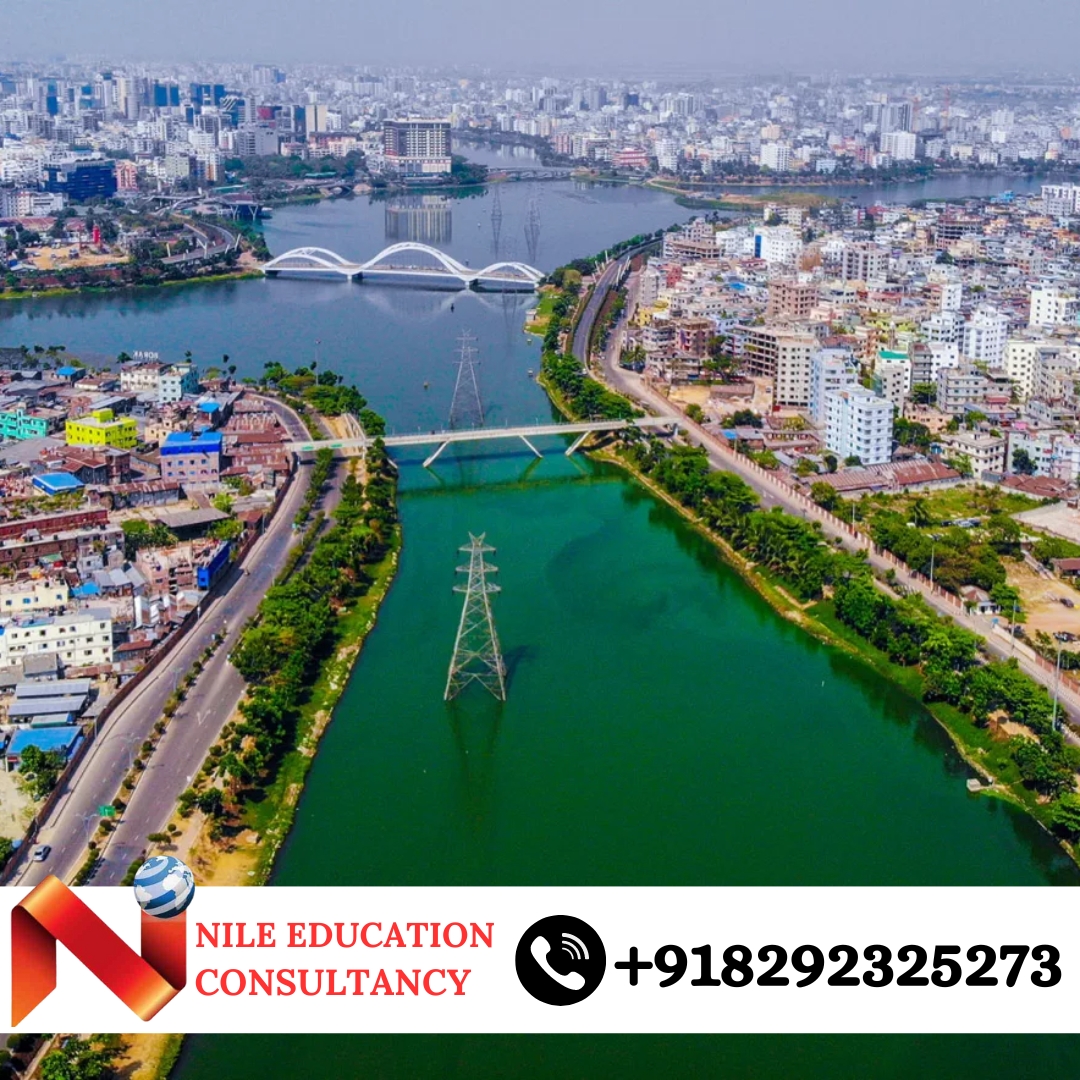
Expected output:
(86, 818)
(1057, 679)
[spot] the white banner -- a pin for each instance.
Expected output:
(798, 960)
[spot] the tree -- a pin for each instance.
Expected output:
(826, 496)
(852, 461)
(924, 393)
(79, 1059)
(830, 462)
(1022, 463)
(695, 412)
(1065, 817)
(7, 846)
(920, 514)
(39, 770)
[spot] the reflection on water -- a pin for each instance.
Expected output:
(419, 219)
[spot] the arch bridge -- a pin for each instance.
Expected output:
(399, 260)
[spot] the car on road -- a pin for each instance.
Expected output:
(41, 853)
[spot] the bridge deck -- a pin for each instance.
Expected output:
(439, 438)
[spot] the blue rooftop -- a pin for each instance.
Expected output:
(87, 588)
(67, 372)
(180, 442)
(209, 406)
(55, 483)
(58, 738)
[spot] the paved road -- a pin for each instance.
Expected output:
(774, 492)
(188, 738)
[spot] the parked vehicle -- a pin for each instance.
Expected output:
(41, 853)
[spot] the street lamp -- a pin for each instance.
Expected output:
(86, 818)
(1057, 679)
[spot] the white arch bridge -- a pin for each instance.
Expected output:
(403, 260)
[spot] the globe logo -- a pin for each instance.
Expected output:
(164, 886)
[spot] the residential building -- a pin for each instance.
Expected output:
(892, 376)
(985, 335)
(777, 244)
(791, 299)
(960, 386)
(102, 428)
(38, 594)
(865, 262)
(18, 424)
(859, 423)
(193, 460)
(81, 178)
(830, 369)
(1052, 306)
(784, 356)
(776, 156)
(899, 145)
(80, 639)
(986, 452)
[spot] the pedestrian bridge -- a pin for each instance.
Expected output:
(442, 439)
(407, 260)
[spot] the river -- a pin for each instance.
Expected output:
(647, 738)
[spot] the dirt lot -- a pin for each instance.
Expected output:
(1044, 611)
(16, 809)
(57, 259)
(1059, 519)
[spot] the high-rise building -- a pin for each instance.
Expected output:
(830, 369)
(417, 147)
(985, 334)
(859, 424)
(82, 178)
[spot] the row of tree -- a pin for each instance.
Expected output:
(281, 654)
(905, 629)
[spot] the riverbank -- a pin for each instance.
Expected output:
(735, 201)
(985, 736)
(243, 274)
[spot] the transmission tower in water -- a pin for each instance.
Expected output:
(477, 657)
(496, 219)
(466, 409)
(532, 229)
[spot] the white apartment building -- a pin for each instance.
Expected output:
(830, 369)
(1052, 306)
(899, 145)
(1021, 356)
(776, 156)
(167, 382)
(944, 326)
(777, 244)
(859, 424)
(79, 640)
(985, 335)
(40, 595)
(1061, 200)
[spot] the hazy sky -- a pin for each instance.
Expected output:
(585, 36)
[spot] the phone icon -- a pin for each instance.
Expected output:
(539, 949)
(535, 956)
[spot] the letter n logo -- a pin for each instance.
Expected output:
(52, 913)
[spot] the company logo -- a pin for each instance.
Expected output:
(560, 960)
(146, 983)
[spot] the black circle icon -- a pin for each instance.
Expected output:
(560, 960)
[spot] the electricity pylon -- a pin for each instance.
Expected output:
(477, 657)
(466, 408)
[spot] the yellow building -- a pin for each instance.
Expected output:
(101, 428)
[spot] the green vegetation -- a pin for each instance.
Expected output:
(39, 770)
(933, 657)
(582, 396)
(141, 534)
(7, 847)
(301, 625)
(324, 392)
(81, 1059)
